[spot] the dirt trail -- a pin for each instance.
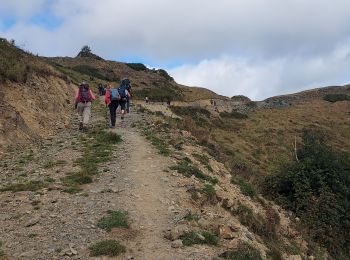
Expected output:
(53, 224)
(152, 197)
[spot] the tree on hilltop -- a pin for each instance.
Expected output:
(86, 52)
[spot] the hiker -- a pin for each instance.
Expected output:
(146, 99)
(116, 97)
(83, 99)
(100, 89)
(127, 84)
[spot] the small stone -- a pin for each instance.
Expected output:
(200, 236)
(32, 222)
(177, 243)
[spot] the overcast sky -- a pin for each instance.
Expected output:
(257, 48)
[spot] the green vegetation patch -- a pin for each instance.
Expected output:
(186, 168)
(97, 148)
(157, 142)
(203, 159)
(190, 111)
(246, 188)
(266, 228)
(114, 219)
(102, 74)
(1, 251)
(16, 65)
(107, 247)
(203, 237)
(233, 114)
(336, 97)
(243, 252)
(137, 66)
(27, 186)
(317, 189)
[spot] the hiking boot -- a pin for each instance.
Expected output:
(122, 117)
(81, 126)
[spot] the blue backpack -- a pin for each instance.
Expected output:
(114, 94)
(121, 91)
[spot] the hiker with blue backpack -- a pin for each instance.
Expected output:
(83, 99)
(116, 97)
(127, 84)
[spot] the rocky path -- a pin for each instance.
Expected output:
(52, 224)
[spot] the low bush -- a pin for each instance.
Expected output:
(243, 252)
(317, 189)
(204, 237)
(114, 219)
(233, 114)
(187, 169)
(157, 142)
(107, 247)
(28, 186)
(336, 97)
(246, 188)
(137, 66)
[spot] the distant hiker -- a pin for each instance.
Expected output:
(116, 97)
(146, 99)
(83, 99)
(126, 82)
(100, 89)
(168, 101)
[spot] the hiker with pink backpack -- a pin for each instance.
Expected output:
(83, 99)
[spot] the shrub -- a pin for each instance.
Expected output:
(204, 237)
(107, 247)
(28, 186)
(243, 252)
(336, 97)
(234, 114)
(158, 143)
(137, 66)
(114, 219)
(188, 170)
(164, 74)
(245, 187)
(96, 73)
(317, 189)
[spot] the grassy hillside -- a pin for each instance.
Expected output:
(261, 142)
(157, 85)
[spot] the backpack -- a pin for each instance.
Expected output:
(121, 91)
(84, 93)
(114, 94)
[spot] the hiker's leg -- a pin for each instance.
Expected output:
(86, 113)
(80, 111)
(122, 106)
(113, 112)
(127, 105)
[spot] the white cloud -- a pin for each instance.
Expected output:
(260, 79)
(253, 47)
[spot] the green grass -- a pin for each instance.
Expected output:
(158, 143)
(97, 148)
(234, 114)
(243, 252)
(186, 168)
(336, 97)
(114, 219)
(107, 247)
(192, 238)
(27, 186)
(203, 159)
(1, 251)
(246, 188)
